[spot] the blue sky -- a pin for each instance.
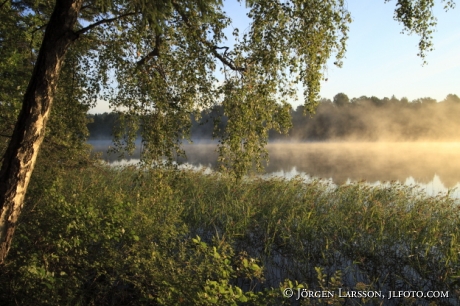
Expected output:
(380, 61)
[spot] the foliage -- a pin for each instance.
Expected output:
(101, 126)
(97, 241)
(341, 99)
(102, 236)
(16, 43)
(118, 236)
(157, 63)
(417, 17)
(383, 237)
(20, 35)
(358, 119)
(158, 71)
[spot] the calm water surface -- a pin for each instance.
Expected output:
(435, 166)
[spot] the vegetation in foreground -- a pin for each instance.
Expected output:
(104, 236)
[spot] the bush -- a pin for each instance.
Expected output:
(104, 236)
(108, 237)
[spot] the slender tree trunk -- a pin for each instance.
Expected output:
(21, 154)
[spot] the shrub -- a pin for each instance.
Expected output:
(105, 236)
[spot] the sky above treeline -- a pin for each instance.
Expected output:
(380, 60)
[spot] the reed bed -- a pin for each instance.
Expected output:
(104, 236)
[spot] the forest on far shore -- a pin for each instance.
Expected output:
(356, 119)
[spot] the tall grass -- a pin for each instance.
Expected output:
(392, 237)
(102, 236)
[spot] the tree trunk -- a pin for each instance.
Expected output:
(21, 154)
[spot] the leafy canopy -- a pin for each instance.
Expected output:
(159, 62)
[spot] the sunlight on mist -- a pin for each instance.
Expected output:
(433, 165)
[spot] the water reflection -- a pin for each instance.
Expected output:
(432, 164)
(370, 161)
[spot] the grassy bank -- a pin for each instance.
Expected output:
(100, 236)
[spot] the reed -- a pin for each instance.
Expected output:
(122, 236)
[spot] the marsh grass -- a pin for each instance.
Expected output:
(392, 236)
(102, 236)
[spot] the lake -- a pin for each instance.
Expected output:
(435, 166)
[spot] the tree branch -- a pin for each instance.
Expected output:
(224, 60)
(39, 28)
(7, 136)
(153, 53)
(227, 62)
(103, 21)
(3, 3)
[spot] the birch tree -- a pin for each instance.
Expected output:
(158, 62)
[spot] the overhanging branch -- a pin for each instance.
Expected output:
(103, 21)
(226, 61)
(154, 53)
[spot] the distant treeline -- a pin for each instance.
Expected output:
(357, 119)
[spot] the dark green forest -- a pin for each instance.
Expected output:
(363, 119)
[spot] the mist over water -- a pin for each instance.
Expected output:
(370, 161)
(436, 165)
(360, 139)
